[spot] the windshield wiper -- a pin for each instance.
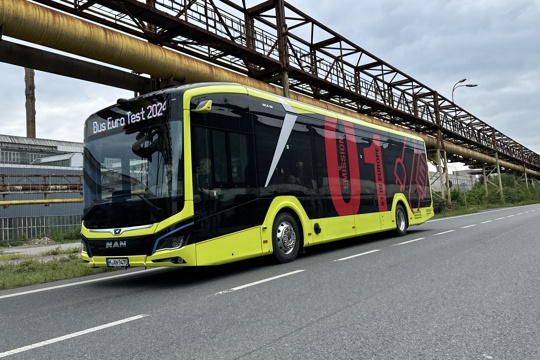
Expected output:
(156, 209)
(149, 203)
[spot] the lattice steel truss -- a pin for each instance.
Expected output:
(271, 38)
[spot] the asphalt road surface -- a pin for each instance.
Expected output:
(457, 288)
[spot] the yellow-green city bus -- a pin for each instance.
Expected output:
(212, 173)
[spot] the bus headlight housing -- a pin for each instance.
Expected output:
(170, 243)
(172, 240)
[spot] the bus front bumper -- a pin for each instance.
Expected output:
(184, 256)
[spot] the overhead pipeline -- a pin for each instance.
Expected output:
(6, 203)
(34, 23)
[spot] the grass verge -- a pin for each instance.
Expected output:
(18, 270)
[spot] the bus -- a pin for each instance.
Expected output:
(212, 173)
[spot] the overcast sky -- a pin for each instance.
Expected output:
(492, 43)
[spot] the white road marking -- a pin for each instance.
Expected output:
(466, 215)
(497, 219)
(258, 282)
(468, 226)
(475, 214)
(510, 216)
(408, 242)
(76, 283)
(70, 336)
(444, 232)
(485, 222)
(357, 255)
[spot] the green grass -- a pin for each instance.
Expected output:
(59, 251)
(17, 270)
(30, 270)
(54, 252)
(11, 257)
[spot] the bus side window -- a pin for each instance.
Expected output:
(219, 156)
(239, 150)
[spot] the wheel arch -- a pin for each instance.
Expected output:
(400, 199)
(292, 206)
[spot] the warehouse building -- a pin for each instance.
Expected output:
(40, 187)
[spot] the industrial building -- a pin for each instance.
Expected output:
(40, 186)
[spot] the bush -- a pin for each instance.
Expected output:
(515, 193)
(64, 236)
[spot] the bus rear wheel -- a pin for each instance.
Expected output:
(285, 238)
(401, 220)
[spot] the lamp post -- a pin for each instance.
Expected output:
(459, 84)
(456, 85)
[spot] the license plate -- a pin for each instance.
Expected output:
(118, 262)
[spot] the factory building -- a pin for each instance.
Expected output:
(40, 187)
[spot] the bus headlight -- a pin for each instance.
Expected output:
(170, 243)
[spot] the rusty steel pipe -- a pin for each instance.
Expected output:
(34, 23)
(6, 203)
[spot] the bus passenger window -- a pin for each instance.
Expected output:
(239, 158)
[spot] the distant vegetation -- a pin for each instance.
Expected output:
(515, 193)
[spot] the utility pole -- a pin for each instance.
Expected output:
(30, 104)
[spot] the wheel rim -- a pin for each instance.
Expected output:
(286, 237)
(400, 219)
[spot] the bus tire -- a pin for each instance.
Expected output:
(401, 220)
(285, 238)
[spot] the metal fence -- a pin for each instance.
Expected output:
(32, 227)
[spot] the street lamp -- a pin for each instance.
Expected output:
(456, 85)
(459, 84)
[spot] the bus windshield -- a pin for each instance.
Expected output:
(133, 171)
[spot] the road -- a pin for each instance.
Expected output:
(456, 288)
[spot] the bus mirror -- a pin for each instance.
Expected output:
(204, 107)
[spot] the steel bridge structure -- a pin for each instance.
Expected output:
(277, 44)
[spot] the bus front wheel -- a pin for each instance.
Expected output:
(401, 220)
(285, 238)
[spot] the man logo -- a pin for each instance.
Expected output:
(115, 244)
(117, 231)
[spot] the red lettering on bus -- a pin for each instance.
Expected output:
(420, 173)
(400, 171)
(416, 174)
(373, 156)
(421, 177)
(343, 167)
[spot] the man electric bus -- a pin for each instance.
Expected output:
(212, 173)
